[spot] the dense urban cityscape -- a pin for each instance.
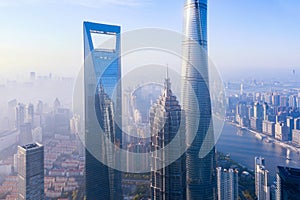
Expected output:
(94, 137)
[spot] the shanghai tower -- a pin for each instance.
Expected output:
(200, 167)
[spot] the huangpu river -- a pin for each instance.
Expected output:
(243, 146)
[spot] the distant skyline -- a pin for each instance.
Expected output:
(244, 36)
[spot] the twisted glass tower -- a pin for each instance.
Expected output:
(200, 168)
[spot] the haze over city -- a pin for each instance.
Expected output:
(245, 37)
(149, 100)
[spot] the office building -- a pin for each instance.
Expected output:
(227, 182)
(288, 183)
(262, 190)
(242, 116)
(25, 136)
(200, 169)
(102, 65)
(31, 171)
(61, 120)
(165, 120)
(30, 114)
(20, 115)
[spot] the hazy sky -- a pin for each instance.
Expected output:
(244, 35)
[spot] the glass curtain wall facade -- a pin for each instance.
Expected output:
(288, 183)
(165, 120)
(102, 72)
(201, 170)
(31, 171)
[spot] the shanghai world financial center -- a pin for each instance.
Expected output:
(103, 91)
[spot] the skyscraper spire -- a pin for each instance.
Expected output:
(167, 84)
(165, 119)
(201, 175)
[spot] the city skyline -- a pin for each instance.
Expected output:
(83, 119)
(247, 32)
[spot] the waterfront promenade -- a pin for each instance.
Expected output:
(243, 145)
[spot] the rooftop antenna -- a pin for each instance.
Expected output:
(167, 82)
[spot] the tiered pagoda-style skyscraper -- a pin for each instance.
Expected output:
(165, 118)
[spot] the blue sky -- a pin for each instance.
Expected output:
(244, 35)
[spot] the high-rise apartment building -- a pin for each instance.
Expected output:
(275, 99)
(200, 169)
(283, 101)
(292, 101)
(282, 131)
(102, 66)
(165, 119)
(227, 181)
(262, 190)
(31, 171)
(258, 110)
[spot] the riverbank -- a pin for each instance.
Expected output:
(243, 147)
(267, 138)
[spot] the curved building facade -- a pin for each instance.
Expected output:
(200, 168)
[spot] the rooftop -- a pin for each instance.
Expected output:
(31, 146)
(289, 172)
